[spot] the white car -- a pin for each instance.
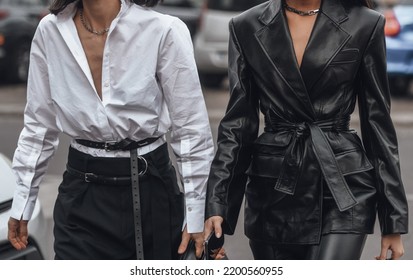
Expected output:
(211, 40)
(38, 236)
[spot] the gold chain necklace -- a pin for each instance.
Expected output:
(301, 13)
(89, 28)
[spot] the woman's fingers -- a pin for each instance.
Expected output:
(17, 233)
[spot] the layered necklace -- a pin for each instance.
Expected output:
(88, 27)
(301, 13)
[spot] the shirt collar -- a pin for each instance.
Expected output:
(70, 11)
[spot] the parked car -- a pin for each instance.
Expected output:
(37, 246)
(211, 40)
(189, 11)
(399, 41)
(18, 22)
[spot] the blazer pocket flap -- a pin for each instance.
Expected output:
(269, 166)
(346, 56)
(351, 162)
(272, 143)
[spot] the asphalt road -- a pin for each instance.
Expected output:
(12, 99)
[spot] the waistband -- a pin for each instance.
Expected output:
(96, 152)
(336, 125)
(114, 166)
(292, 164)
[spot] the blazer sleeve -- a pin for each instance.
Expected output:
(236, 133)
(379, 136)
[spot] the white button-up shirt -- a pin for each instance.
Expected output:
(150, 86)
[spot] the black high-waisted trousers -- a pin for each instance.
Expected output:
(96, 221)
(333, 246)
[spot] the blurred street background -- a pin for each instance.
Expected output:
(207, 22)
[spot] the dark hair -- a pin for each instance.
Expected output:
(59, 5)
(366, 3)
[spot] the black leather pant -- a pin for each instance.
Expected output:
(333, 246)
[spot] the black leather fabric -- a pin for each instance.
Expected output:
(344, 62)
(334, 246)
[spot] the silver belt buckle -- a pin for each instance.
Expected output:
(142, 172)
(108, 145)
(87, 176)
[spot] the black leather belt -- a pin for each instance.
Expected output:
(90, 177)
(292, 163)
(124, 145)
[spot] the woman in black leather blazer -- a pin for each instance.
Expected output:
(312, 188)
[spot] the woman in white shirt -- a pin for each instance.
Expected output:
(115, 76)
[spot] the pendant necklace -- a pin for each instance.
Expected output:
(301, 13)
(89, 28)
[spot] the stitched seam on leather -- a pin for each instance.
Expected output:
(347, 152)
(358, 171)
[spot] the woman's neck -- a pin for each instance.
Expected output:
(304, 4)
(100, 13)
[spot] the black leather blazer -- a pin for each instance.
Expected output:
(307, 149)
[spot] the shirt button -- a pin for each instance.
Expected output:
(186, 181)
(189, 209)
(106, 84)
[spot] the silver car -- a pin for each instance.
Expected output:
(38, 235)
(211, 40)
(187, 10)
(399, 42)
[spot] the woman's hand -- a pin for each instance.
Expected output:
(199, 242)
(392, 242)
(213, 224)
(18, 233)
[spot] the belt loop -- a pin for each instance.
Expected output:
(85, 164)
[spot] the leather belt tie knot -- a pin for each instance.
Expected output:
(292, 165)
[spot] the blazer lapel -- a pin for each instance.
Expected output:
(326, 40)
(275, 40)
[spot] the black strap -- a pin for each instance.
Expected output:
(95, 178)
(91, 177)
(123, 145)
(136, 203)
(330, 169)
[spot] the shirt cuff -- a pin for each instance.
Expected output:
(195, 212)
(23, 205)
